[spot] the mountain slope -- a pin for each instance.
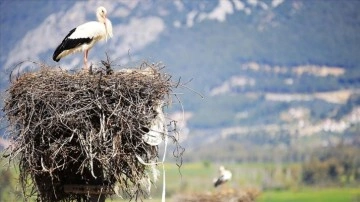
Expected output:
(271, 71)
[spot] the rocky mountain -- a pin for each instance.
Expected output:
(274, 74)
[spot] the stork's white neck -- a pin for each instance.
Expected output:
(100, 18)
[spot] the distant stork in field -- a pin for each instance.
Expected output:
(84, 37)
(225, 175)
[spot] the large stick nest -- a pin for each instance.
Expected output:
(84, 129)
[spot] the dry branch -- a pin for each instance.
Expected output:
(81, 129)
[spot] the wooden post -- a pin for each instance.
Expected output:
(96, 193)
(97, 198)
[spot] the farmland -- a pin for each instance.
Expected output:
(196, 178)
(308, 194)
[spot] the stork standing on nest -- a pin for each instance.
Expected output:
(84, 37)
(225, 175)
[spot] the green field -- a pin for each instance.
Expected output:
(198, 178)
(305, 195)
(318, 195)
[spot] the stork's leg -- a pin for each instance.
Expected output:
(86, 59)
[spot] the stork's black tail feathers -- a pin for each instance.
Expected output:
(69, 43)
(56, 53)
(218, 182)
(62, 46)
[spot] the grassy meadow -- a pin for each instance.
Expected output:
(270, 182)
(309, 194)
(195, 178)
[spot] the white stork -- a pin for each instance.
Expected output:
(84, 37)
(225, 175)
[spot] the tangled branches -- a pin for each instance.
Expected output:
(83, 129)
(222, 195)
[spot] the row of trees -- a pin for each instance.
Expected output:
(335, 165)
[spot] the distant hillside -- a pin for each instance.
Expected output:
(273, 73)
